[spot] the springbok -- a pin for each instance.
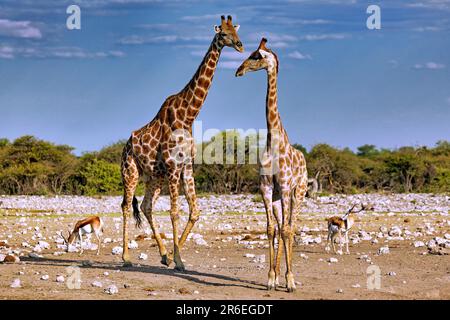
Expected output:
(338, 225)
(92, 224)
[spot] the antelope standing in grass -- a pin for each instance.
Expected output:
(338, 225)
(92, 224)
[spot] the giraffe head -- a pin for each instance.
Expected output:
(227, 34)
(261, 58)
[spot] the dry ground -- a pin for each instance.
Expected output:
(220, 270)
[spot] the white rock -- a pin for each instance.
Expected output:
(259, 258)
(143, 256)
(45, 277)
(111, 289)
(431, 244)
(107, 240)
(395, 231)
(117, 250)
(133, 245)
(34, 255)
(97, 284)
(332, 260)
(249, 255)
(44, 245)
(419, 244)
(60, 279)
(383, 250)
(392, 273)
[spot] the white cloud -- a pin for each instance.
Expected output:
(394, 63)
(325, 36)
(8, 52)
(428, 28)
(138, 40)
(229, 64)
(272, 37)
(429, 65)
(210, 17)
(228, 59)
(431, 4)
(299, 56)
(19, 29)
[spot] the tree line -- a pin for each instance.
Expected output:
(29, 165)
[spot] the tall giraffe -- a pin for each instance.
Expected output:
(283, 175)
(164, 148)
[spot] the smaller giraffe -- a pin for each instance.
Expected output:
(283, 175)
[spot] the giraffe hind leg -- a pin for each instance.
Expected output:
(152, 192)
(130, 177)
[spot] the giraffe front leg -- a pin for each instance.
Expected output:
(286, 234)
(174, 216)
(189, 191)
(130, 178)
(266, 193)
(278, 216)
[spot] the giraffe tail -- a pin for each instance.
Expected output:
(136, 213)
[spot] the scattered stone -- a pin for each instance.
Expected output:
(16, 283)
(60, 279)
(383, 250)
(332, 260)
(418, 244)
(259, 258)
(117, 250)
(111, 289)
(133, 245)
(45, 277)
(392, 273)
(339, 291)
(97, 284)
(184, 291)
(143, 256)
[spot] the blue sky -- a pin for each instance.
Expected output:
(339, 82)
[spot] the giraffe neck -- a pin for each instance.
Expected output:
(272, 115)
(198, 86)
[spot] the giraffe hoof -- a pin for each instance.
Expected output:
(166, 260)
(180, 268)
(291, 289)
(127, 264)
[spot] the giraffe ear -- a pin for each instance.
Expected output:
(236, 27)
(217, 28)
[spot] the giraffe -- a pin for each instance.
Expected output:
(283, 175)
(164, 148)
